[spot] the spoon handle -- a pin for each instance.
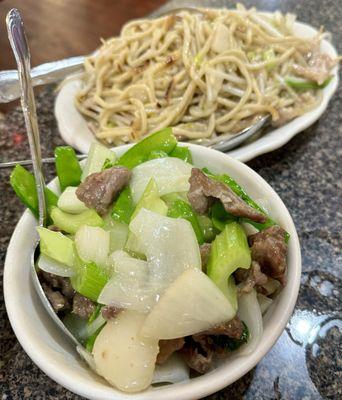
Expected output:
(17, 38)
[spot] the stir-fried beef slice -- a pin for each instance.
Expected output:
(100, 188)
(269, 249)
(196, 358)
(56, 299)
(319, 67)
(110, 312)
(57, 289)
(250, 277)
(233, 329)
(82, 306)
(204, 189)
(168, 347)
(205, 253)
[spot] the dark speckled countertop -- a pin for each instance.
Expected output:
(306, 361)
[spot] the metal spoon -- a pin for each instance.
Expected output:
(17, 38)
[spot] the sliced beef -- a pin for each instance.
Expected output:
(250, 277)
(232, 329)
(205, 253)
(57, 289)
(318, 69)
(82, 306)
(100, 189)
(197, 358)
(200, 350)
(56, 299)
(203, 190)
(168, 347)
(269, 249)
(110, 312)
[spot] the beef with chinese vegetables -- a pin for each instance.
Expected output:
(148, 261)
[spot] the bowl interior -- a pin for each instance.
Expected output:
(52, 352)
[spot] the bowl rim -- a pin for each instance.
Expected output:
(196, 387)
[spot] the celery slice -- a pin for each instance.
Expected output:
(57, 246)
(70, 223)
(150, 200)
(98, 155)
(69, 202)
(90, 279)
(229, 251)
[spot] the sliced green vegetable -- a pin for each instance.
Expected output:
(162, 140)
(90, 278)
(207, 228)
(95, 313)
(150, 200)
(24, 185)
(97, 157)
(57, 246)
(67, 167)
(108, 164)
(181, 209)
(229, 251)
(239, 191)
(91, 339)
(124, 206)
(227, 343)
(220, 217)
(70, 223)
(156, 154)
(169, 198)
(69, 202)
(305, 84)
(183, 153)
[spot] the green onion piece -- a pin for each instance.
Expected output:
(123, 207)
(90, 279)
(67, 166)
(183, 153)
(24, 185)
(181, 209)
(156, 154)
(162, 140)
(305, 84)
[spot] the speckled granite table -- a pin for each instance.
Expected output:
(306, 362)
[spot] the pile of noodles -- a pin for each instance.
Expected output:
(205, 73)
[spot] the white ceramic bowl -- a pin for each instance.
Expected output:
(74, 128)
(52, 352)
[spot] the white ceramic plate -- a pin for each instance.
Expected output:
(74, 130)
(51, 351)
